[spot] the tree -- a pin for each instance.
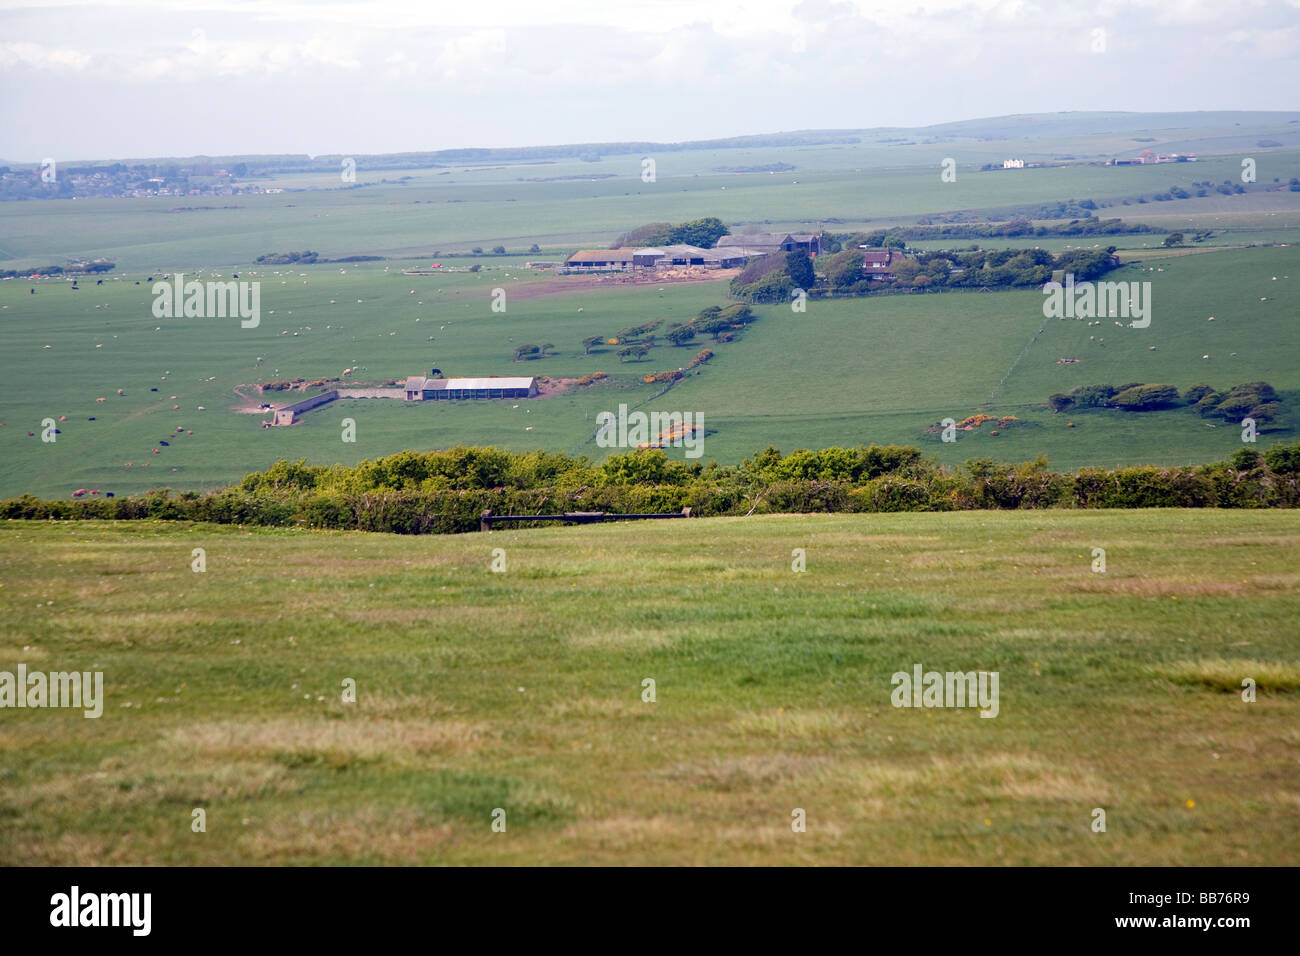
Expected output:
(1266, 413)
(681, 334)
(498, 250)
(1173, 239)
(738, 314)
(700, 232)
(476, 268)
(799, 267)
(591, 342)
(651, 234)
(714, 326)
(844, 269)
(1246, 459)
(1143, 397)
(534, 248)
(527, 352)
(477, 250)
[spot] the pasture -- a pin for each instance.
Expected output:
(842, 187)
(523, 691)
(880, 369)
(848, 371)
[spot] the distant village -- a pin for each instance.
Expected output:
(118, 180)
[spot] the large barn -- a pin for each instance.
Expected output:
(770, 242)
(421, 389)
(656, 257)
(600, 260)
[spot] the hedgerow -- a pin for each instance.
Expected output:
(442, 492)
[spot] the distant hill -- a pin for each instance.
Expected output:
(1283, 127)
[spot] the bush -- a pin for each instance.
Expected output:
(1145, 397)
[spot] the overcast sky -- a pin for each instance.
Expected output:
(132, 78)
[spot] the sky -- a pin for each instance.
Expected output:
(138, 78)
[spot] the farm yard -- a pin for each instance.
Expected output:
(478, 690)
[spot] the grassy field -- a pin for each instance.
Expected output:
(842, 189)
(881, 369)
(847, 371)
(523, 690)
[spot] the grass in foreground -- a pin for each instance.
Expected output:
(522, 690)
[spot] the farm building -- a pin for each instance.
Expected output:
(421, 389)
(765, 243)
(879, 263)
(656, 257)
(679, 256)
(599, 260)
(1013, 164)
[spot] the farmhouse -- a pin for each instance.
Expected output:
(421, 389)
(878, 264)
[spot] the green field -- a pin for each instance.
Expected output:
(523, 690)
(878, 369)
(848, 371)
(890, 175)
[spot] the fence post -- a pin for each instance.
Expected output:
(483, 523)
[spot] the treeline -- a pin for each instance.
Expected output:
(91, 267)
(636, 342)
(1010, 229)
(307, 257)
(446, 491)
(775, 278)
(702, 233)
(1257, 400)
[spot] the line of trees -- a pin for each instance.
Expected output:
(703, 233)
(1257, 400)
(90, 267)
(722, 323)
(775, 277)
(446, 491)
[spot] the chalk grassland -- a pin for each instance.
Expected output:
(847, 371)
(473, 208)
(523, 691)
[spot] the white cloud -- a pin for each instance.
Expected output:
(37, 56)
